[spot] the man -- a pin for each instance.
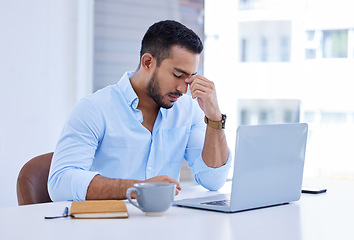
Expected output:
(141, 129)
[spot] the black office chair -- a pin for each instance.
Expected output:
(32, 180)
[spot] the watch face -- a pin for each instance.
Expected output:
(223, 120)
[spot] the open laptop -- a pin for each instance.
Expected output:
(268, 169)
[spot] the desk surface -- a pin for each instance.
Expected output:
(324, 216)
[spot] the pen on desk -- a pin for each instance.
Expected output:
(65, 214)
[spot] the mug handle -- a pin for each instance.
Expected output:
(129, 191)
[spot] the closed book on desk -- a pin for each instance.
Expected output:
(99, 209)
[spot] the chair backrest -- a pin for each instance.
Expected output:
(32, 181)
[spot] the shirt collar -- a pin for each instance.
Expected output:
(164, 112)
(128, 91)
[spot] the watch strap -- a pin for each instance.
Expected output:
(216, 124)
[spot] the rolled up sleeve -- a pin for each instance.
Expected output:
(211, 178)
(70, 185)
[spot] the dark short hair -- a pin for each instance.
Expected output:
(161, 36)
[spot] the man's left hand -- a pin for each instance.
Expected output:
(204, 90)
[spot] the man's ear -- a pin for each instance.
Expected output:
(147, 62)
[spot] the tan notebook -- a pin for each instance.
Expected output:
(99, 209)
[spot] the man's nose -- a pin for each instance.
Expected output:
(182, 87)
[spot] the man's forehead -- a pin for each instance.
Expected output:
(182, 60)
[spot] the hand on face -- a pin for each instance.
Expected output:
(204, 90)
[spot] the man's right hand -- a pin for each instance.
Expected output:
(167, 179)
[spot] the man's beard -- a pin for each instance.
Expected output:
(154, 91)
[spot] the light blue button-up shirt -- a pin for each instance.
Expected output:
(104, 135)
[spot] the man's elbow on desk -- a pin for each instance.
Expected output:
(70, 185)
(54, 190)
(210, 180)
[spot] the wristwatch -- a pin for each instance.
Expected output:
(216, 125)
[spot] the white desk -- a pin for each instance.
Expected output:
(324, 216)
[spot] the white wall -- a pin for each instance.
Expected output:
(39, 80)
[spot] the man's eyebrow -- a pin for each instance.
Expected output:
(182, 71)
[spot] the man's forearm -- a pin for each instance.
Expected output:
(107, 188)
(215, 151)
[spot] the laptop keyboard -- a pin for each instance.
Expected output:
(225, 202)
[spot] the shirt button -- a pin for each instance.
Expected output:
(149, 168)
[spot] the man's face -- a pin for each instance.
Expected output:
(167, 82)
